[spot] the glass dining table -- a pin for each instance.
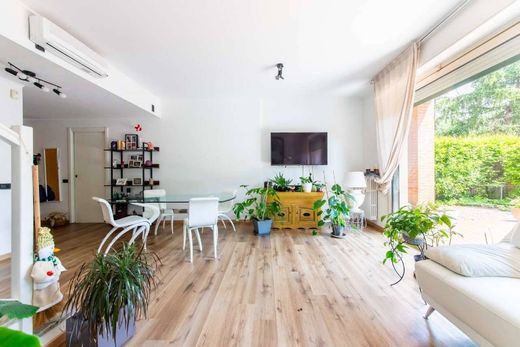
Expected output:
(181, 199)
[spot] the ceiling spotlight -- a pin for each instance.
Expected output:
(11, 71)
(59, 93)
(41, 86)
(279, 76)
(29, 76)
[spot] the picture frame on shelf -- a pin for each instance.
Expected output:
(133, 157)
(135, 163)
(121, 181)
(132, 141)
(137, 181)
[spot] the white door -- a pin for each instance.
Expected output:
(89, 174)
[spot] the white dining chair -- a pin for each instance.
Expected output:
(166, 213)
(137, 224)
(202, 213)
(226, 207)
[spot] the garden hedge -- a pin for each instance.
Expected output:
(468, 166)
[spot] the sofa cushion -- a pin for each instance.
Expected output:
(499, 260)
(488, 305)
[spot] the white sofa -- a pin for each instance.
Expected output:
(487, 309)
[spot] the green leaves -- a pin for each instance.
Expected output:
(15, 338)
(491, 105)
(281, 183)
(260, 204)
(111, 289)
(336, 211)
(14, 309)
(466, 167)
(410, 223)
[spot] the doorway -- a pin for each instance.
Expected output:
(87, 176)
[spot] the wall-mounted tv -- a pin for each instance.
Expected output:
(298, 148)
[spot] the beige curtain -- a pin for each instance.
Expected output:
(394, 94)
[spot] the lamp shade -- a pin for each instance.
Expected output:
(355, 179)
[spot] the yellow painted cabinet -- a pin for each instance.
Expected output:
(297, 210)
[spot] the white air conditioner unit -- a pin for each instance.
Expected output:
(57, 41)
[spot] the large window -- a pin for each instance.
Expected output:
(477, 153)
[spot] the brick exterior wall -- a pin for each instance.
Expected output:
(421, 155)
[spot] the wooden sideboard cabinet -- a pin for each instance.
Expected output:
(297, 210)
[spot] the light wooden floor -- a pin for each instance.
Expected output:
(289, 289)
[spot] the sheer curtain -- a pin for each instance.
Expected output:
(394, 89)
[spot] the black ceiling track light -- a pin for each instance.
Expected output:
(29, 76)
(279, 76)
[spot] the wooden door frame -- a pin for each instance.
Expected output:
(71, 158)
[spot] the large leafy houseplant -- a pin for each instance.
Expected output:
(421, 226)
(336, 212)
(13, 309)
(109, 293)
(260, 206)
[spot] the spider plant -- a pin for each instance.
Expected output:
(280, 183)
(113, 288)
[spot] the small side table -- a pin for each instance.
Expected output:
(357, 219)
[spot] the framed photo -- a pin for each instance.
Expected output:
(121, 181)
(137, 181)
(134, 157)
(132, 141)
(140, 158)
(135, 163)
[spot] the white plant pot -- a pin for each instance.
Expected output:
(307, 187)
(516, 213)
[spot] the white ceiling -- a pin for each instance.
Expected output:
(84, 99)
(228, 48)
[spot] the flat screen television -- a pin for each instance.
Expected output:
(298, 148)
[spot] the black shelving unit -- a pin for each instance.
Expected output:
(122, 207)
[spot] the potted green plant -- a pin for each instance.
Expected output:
(107, 295)
(307, 183)
(260, 205)
(515, 209)
(420, 226)
(280, 183)
(13, 309)
(336, 212)
(317, 186)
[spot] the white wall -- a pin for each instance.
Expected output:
(215, 145)
(10, 114)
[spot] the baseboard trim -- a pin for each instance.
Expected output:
(375, 226)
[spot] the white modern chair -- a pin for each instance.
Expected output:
(202, 213)
(137, 224)
(226, 207)
(165, 212)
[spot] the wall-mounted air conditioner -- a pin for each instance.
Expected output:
(57, 41)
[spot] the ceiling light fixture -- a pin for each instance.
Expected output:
(279, 76)
(29, 76)
(59, 93)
